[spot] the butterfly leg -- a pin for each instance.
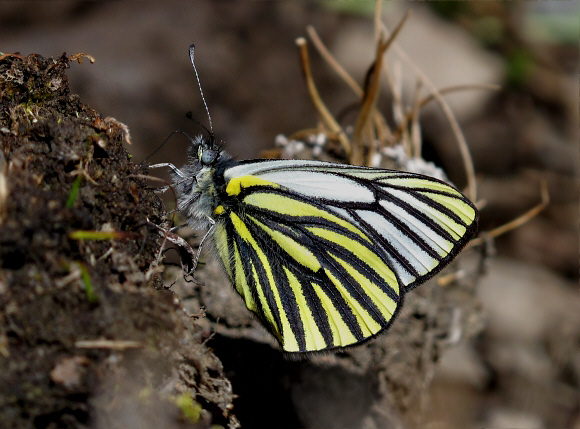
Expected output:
(207, 234)
(171, 166)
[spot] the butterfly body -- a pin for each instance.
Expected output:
(322, 253)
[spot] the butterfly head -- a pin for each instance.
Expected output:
(207, 152)
(204, 152)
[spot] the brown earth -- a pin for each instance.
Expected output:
(88, 336)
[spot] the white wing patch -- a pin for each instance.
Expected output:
(438, 243)
(322, 186)
(408, 249)
(261, 167)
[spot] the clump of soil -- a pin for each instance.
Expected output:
(86, 340)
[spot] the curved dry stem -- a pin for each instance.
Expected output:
(447, 90)
(368, 105)
(377, 19)
(319, 105)
(464, 87)
(382, 30)
(327, 56)
(395, 83)
(517, 222)
(415, 126)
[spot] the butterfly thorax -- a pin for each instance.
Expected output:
(201, 187)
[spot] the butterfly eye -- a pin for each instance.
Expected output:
(208, 156)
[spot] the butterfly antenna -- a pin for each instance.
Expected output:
(189, 116)
(191, 49)
(165, 141)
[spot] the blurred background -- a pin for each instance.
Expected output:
(524, 369)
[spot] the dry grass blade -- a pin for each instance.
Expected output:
(443, 91)
(108, 344)
(395, 82)
(454, 88)
(368, 106)
(327, 56)
(319, 105)
(517, 222)
(377, 16)
(415, 126)
(380, 29)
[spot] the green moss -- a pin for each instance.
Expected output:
(190, 409)
(86, 277)
(74, 192)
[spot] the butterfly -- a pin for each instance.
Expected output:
(322, 253)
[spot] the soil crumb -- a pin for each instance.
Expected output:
(88, 336)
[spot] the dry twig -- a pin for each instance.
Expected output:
(517, 222)
(319, 105)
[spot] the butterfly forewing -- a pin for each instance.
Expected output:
(322, 252)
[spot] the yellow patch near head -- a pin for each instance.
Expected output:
(236, 185)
